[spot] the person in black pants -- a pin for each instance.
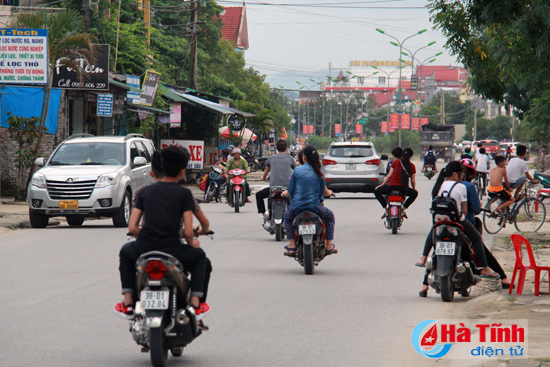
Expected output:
(394, 180)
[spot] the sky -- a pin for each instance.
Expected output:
(297, 41)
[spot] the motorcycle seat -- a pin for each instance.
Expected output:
(160, 255)
(544, 175)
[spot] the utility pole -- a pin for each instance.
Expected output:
(475, 119)
(193, 51)
(442, 107)
(330, 120)
(87, 15)
(147, 19)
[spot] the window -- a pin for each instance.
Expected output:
(87, 153)
(134, 152)
(351, 151)
(403, 78)
(143, 151)
(381, 80)
(361, 80)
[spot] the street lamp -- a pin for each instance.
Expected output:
(388, 90)
(400, 44)
(308, 90)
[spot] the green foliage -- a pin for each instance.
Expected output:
(529, 131)
(409, 139)
(497, 128)
(25, 131)
(455, 109)
(319, 142)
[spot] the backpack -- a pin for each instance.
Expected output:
(430, 157)
(444, 205)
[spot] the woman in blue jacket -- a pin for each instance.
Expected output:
(307, 190)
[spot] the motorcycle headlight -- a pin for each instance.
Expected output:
(106, 180)
(39, 180)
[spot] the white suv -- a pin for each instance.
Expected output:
(353, 167)
(90, 176)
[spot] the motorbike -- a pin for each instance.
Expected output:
(394, 211)
(237, 197)
(451, 265)
(261, 163)
(429, 171)
(214, 184)
(252, 162)
(164, 318)
(277, 204)
(309, 231)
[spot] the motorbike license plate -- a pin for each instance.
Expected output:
(72, 204)
(445, 248)
(350, 167)
(307, 229)
(397, 203)
(154, 300)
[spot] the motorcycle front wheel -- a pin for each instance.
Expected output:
(447, 288)
(236, 201)
(209, 195)
(157, 347)
(278, 232)
(254, 167)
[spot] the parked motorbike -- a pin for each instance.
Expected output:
(237, 197)
(309, 231)
(451, 265)
(429, 171)
(394, 211)
(214, 184)
(252, 162)
(261, 163)
(277, 205)
(164, 318)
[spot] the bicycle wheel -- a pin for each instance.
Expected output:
(530, 215)
(479, 188)
(491, 222)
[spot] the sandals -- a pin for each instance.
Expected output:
(333, 251)
(290, 251)
(493, 276)
(423, 294)
(420, 265)
(202, 326)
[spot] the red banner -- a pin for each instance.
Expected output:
(337, 129)
(311, 129)
(394, 121)
(406, 122)
(305, 129)
(392, 128)
(416, 124)
(384, 126)
(359, 129)
(424, 120)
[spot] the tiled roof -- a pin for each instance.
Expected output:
(231, 19)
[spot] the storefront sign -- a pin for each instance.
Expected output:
(416, 124)
(132, 81)
(235, 122)
(175, 116)
(406, 122)
(149, 88)
(23, 56)
(211, 155)
(95, 76)
(378, 63)
(118, 104)
(105, 105)
(384, 126)
(195, 148)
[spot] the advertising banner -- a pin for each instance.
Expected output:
(23, 56)
(149, 88)
(211, 154)
(424, 120)
(311, 129)
(105, 105)
(406, 122)
(384, 126)
(394, 121)
(195, 147)
(95, 77)
(305, 129)
(359, 129)
(416, 124)
(337, 129)
(133, 81)
(175, 116)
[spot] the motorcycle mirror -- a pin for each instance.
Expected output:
(384, 157)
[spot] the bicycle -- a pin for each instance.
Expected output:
(528, 214)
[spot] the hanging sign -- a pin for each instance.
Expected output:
(424, 120)
(416, 124)
(305, 129)
(94, 76)
(175, 116)
(384, 127)
(23, 56)
(132, 97)
(337, 129)
(311, 129)
(235, 122)
(149, 88)
(406, 122)
(359, 129)
(394, 122)
(105, 104)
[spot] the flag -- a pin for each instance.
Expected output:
(285, 135)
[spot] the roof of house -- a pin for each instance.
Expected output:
(235, 27)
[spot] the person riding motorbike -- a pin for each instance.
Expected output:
(220, 181)
(279, 167)
(307, 190)
(237, 162)
(449, 181)
(401, 169)
(430, 158)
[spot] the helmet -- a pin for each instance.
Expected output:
(468, 163)
(236, 150)
(231, 147)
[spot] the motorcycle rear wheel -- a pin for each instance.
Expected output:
(309, 266)
(447, 288)
(236, 201)
(157, 347)
(254, 167)
(278, 232)
(209, 195)
(394, 225)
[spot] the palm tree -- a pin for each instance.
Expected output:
(67, 43)
(262, 123)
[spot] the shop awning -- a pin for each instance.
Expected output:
(134, 107)
(124, 86)
(207, 105)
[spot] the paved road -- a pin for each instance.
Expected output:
(59, 285)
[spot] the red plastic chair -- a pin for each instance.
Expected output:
(517, 240)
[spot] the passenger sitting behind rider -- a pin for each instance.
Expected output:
(165, 203)
(394, 179)
(307, 190)
(499, 184)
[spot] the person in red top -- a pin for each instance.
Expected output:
(395, 181)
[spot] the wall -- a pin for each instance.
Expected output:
(8, 147)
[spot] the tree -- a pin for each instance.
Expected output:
(66, 44)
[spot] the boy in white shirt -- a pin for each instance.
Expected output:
(518, 172)
(482, 166)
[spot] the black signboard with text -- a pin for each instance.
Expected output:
(235, 122)
(95, 76)
(149, 87)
